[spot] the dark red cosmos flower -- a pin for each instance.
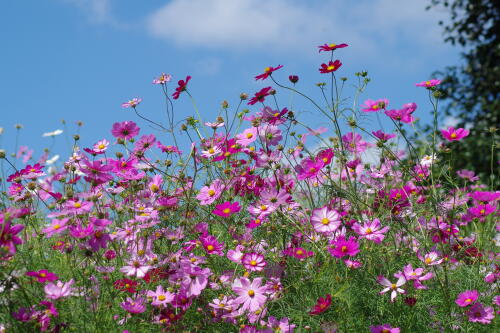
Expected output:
(321, 305)
(267, 71)
(331, 47)
(126, 285)
(260, 96)
(182, 87)
(331, 67)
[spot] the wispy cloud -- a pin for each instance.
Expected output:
(369, 26)
(97, 10)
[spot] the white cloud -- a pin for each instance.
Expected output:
(288, 25)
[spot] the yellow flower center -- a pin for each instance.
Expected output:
(43, 275)
(427, 82)
(211, 193)
(428, 260)
(211, 150)
(325, 221)
(210, 247)
(482, 211)
(468, 300)
(267, 69)
(57, 226)
(101, 146)
(332, 45)
(251, 293)
(344, 248)
(453, 135)
(162, 298)
(226, 210)
(330, 68)
(263, 207)
(77, 205)
(253, 263)
(249, 135)
(393, 286)
(299, 252)
(369, 231)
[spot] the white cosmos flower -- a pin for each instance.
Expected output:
(53, 133)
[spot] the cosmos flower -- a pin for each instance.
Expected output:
(332, 66)
(251, 294)
(181, 86)
(132, 103)
(322, 304)
(331, 47)
(467, 298)
(453, 134)
(267, 72)
(429, 83)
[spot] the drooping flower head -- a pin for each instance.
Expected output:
(181, 86)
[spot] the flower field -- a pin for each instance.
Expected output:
(255, 222)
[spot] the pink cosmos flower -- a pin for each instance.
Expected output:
(403, 115)
(251, 294)
(429, 83)
(297, 252)
(431, 258)
(160, 297)
(322, 304)
(331, 47)
(385, 328)
(282, 325)
(416, 275)
(58, 290)
(125, 130)
(136, 267)
(371, 230)
(132, 305)
(394, 287)
(132, 103)
(226, 209)
(467, 298)
(208, 194)
(267, 72)
(247, 137)
(374, 106)
(383, 136)
(479, 314)
(481, 211)
(354, 143)
(453, 134)
(342, 247)
(308, 168)
(101, 146)
(325, 220)
(162, 79)
(8, 236)
(43, 276)
(253, 262)
(270, 134)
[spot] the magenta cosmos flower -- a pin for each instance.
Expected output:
(260, 96)
(354, 143)
(342, 247)
(480, 314)
(134, 305)
(132, 103)
(253, 262)
(429, 83)
(331, 47)
(467, 298)
(385, 328)
(267, 72)
(393, 287)
(453, 134)
(125, 130)
(208, 194)
(8, 236)
(227, 209)
(325, 219)
(322, 304)
(332, 66)
(251, 295)
(43, 276)
(181, 86)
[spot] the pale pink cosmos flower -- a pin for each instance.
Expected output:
(371, 230)
(208, 194)
(325, 220)
(56, 227)
(251, 294)
(385, 328)
(134, 305)
(247, 137)
(132, 103)
(58, 290)
(394, 287)
(431, 258)
(136, 267)
(162, 79)
(101, 146)
(373, 106)
(160, 297)
(253, 262)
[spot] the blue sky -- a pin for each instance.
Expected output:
(80, 59)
